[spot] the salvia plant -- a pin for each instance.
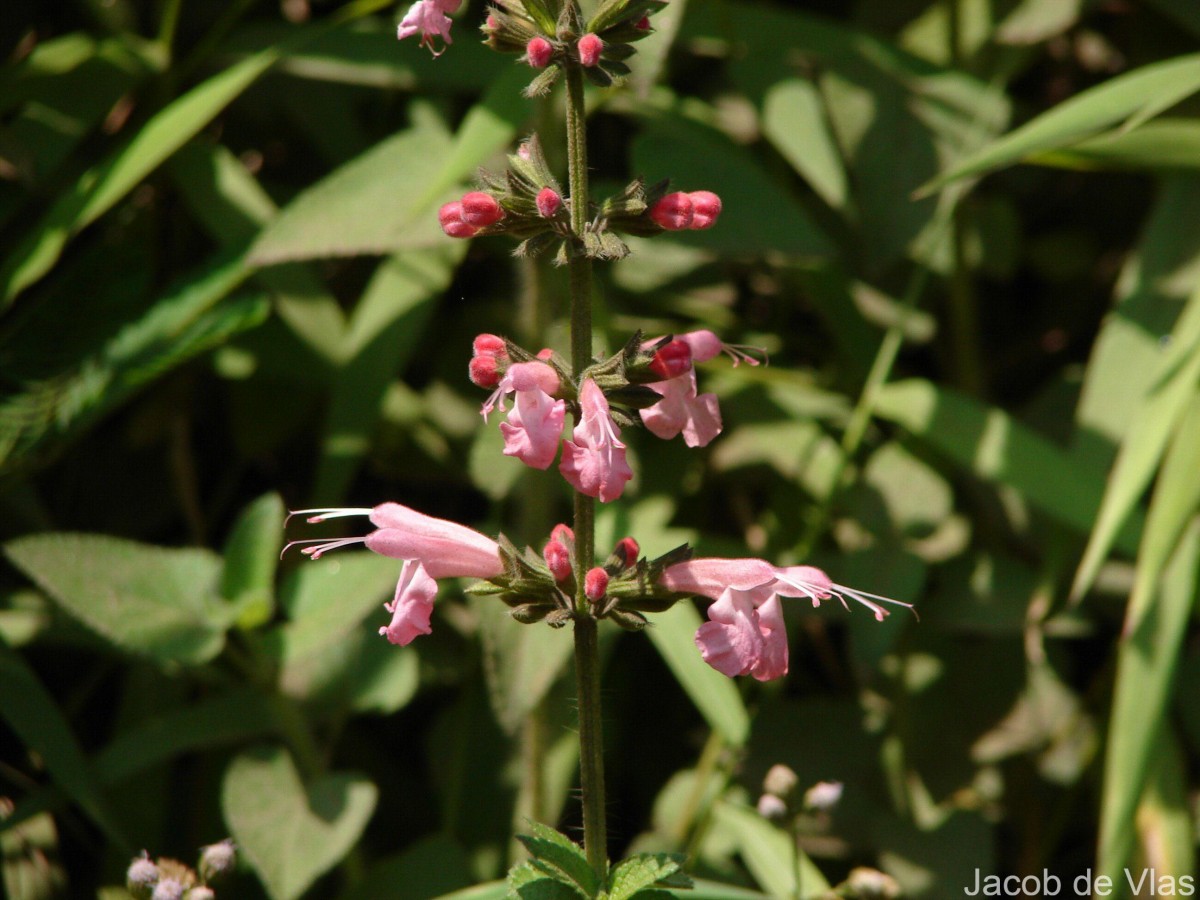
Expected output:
(581, 408)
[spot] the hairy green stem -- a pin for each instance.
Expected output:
(587, 653)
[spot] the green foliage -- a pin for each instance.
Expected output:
(964, 233)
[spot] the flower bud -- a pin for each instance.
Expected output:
(772, 808)
(562, 533)
(545, 354)
(479, 210)
(672, 360)
(780, 780)
(484, 372)
(643, 24)
(217, 859)
(548, 202)
(589, 47)
(489, 345)
(168, 889)
(628, 550)
(539, 52)
(141, 875)
(450, 217)
(558, 559)
(823, 796)
(673, 212)
(595, 584)
(706, 206)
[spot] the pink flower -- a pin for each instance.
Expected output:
(431, 548)
(535, 424)
(744, 634)
(558, 559)
(595, 584)
(428, 19)
(590, 47)
(682, 411)
(479, 209)
(594, 462)
(672, 359)
(450, 216)
(705, 346)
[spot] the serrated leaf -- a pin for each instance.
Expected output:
(289, 833)
(251, 557)
(551, 848)
(644, 870)
(143, 599)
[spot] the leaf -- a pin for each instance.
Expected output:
(1147, 661)
(100, 188)
(793, 121)
(643, 870)
(715, 695)
(1165, 143)
(768, 853)
(147, 600)
(549, 847)
(996, 448)
(290, 833)
(1128, 98)
(427, 868)
(251, 558)
(188, 320)
(1175, 381)
(33, 715)
(29, 867)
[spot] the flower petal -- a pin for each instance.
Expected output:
(412, 605)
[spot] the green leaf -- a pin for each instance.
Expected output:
(563, 856)
(997, 448)
(769, 853)
(251, 558)
(644, 870)
(1161, 144)
(100, 188)
(143, 599)
(1128, 99)
(714, 694)
(794, 122)
(1147, 660)
(291, 833)
(33, 715)
(1176, 378)
(427, 868)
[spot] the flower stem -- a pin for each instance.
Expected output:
(587, 654)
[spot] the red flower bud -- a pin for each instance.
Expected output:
(706, 206)
(589, 49)
(484, 371)
(643, 24)
(558, 559)
(672, 359)
(548, 202)
(562, 533)
(488, 345)
(538, 52)
(545, 354)
(450, 217)
(479, 210)
(673, 212)
(628, 549)
(595, 584)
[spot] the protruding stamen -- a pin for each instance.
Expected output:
(325, 513)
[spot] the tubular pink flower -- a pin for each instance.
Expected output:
(706, 345)
(431, 548)
(672, 359)
(411, 606)
(594, 462)
(534, 427)
(428, 19)
(526, 376)
(682, 411)
(745, 634)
